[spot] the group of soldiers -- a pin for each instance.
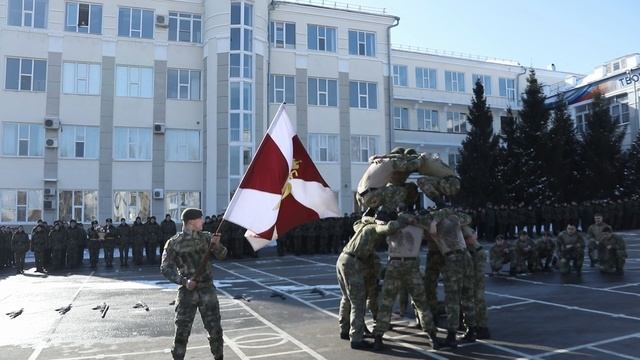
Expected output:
(62, 245)
(510, 220)
(566, 252)
(454, 253)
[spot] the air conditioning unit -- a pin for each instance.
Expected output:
(51, 143)
(158, 128)
(49, 204)
(49, 191)
(51, 122)
(162, 21)
(158, 193)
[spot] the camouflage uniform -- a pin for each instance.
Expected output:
(351, 267)
(110, 236)
(612, 253)
(525, 257)
(499, 255)
(571, 252)
(75, 240)
(39, 241)
(138, 235)
(479, 259)
(403, 272)
(371, 276)
(57, 240)
(545, 249)
(181, 258)
(593, 235)
(124, 242)
(434, 266)
(153, 239)
(94, 246)
(20, 246)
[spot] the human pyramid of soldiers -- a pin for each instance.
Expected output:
(454, 252)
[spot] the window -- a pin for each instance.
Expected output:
(454, 81)
(456, 122)
(321, 38)
(454, 159)
(80, 205)
(183, 84)
(236, 101)
(185, 27)
(428, 120)
(238, 69)
(282, 35)
(79, 142)
(236, 128)
(282, 89)
(323, 92)
(485, 80)
(583, 115)
(507, 88)
(26, 74)
(425, 78)
(324, 147)
(131, 204)
(81, 78)
(399, 75)
(83, 18)
(363, 147)
(362, 43)
(363, 95)
(132, 144)
(239, 159)
(28, 13)
(182, 145)
(23, 139)
(175, 202)
(619, 109)
(135, 23)
(134, 81)
(21, 205)
(400, 118)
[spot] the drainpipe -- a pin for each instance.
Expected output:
(272, 6)
(524, 71)
(390, 81)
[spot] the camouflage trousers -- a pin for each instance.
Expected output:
(479, 259)
(38, 254)
(371, 274)
(611, 260)
(498, 262)
(350, 273)
(19, 259)
(524, 261)
(592, 247)
(389, 197)
(571, 259)
(435, 264)
(458, 292)
(205, 300)
(94, 252)
(403, 275)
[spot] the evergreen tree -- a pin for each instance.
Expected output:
(601, 150)
(631, 180)
(479, 154)
(509, 161)
(533, 131)
(563, 164)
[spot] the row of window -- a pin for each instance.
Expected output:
(428, 120)
(26, 206)
(81, 17)
(83, 142)
(323, 92)
(426, 78)
(618, 108)
(85, 79)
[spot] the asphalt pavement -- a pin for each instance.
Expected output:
(287, 308)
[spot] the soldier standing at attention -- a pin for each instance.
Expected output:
(110, 236)
(20, 246)
(350, 269)
(124, 242)
(593, 234)
(39, 240)
(94, 244)
(181, 262)
(169, 229)
(74, 240)
(57, 239)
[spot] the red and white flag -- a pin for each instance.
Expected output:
(281, 189)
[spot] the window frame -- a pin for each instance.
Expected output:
(32, 76)
(434, 123)
(83, 207)
(426, 78)
(364, 41)
(505, 90)
(139, 81)
(329, 84)
(173, 156)
(361, 159)
(30, 140)
(322, 140)
(486, 82)
(177, 17)
(93, 143)
(90, 13)
(38, 7)
(189, 86)
(457, 124)
(398, 75)
(285, 93)
(181, 203)
(273, 34)
(90, 80)
(329, 43)
(31, 214)
(363, 93)
(127, 143)
(400, 122)
(454, 81)
(142, 18)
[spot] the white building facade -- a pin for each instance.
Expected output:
(130, 108)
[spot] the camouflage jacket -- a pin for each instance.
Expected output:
(183, 254)
(570, 243)
(20, 241)
(367, 233)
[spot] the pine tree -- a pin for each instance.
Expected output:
(533, 131)
(479, 153)
(631, 180)
(601, 150)
(509, 161)
(563, 164)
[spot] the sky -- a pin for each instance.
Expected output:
(575, 35)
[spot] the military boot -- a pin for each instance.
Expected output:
(470, 335)
(436, 343)
(451, 341)
(361, 345)
(378, 345)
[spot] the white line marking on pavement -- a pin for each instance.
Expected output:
(575, 286)
(247, 328)
(238, 319)
(597, 343)
(233, 309)
(493, 344)
(284, 334)
(276, 354)
(496, 307)
(43, 344)
(103, 356)
(613, 353)
(622, 286)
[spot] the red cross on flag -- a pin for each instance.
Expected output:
(281, 189)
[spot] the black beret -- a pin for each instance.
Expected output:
(191, 214)
(109, 220)
(72, 221)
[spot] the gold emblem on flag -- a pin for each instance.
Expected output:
(286, 189)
